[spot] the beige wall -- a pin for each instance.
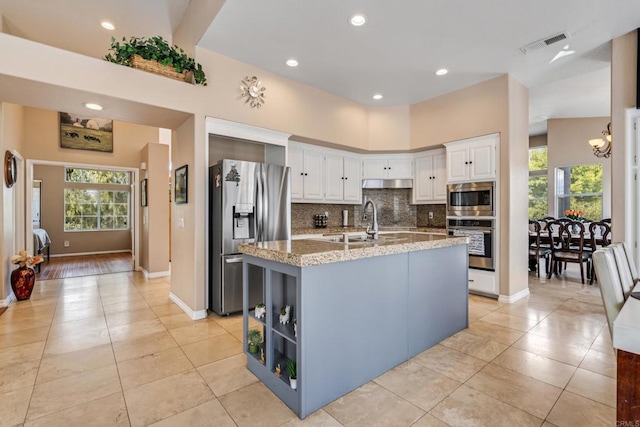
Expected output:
(184, 262)
(52, 214)
(567, 142)
(11, 117)
(538, 141)
(42, 141)
(477, 110)
(154, 244)
(624, 55)
(389, 129)
(514, 183)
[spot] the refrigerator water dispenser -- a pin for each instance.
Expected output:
(243, 222)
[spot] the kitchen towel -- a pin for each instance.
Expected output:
(476, 240)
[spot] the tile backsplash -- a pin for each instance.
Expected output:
(393, 206)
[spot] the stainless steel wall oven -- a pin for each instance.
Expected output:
(481, 233)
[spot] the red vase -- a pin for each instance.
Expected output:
(22, 281)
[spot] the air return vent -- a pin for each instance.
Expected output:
(544, 42)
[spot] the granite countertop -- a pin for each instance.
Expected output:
(333, 230)
(315, 251)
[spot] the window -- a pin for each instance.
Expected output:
(96, 200)
(538, 183)
(96, 176)
(580, 188)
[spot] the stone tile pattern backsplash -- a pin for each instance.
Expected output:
(439, 216)
(302, 214)
(394, 210)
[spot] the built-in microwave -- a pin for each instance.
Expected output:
(471, 199)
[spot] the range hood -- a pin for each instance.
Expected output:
(387, 183)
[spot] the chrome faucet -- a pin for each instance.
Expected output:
(371, 232)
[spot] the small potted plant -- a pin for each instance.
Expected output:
(284, 314)
(293, 374)
(260, 311)
(255, 338)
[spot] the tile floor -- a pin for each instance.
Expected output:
(113, 350)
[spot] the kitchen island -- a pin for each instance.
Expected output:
(360, 308)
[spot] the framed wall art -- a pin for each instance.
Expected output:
(180, 184)
(82, 133)
(143, 192)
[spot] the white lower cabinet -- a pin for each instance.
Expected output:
(483, 281)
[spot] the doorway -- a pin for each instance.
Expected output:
(90, 223)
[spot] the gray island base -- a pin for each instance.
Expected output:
(366, 309)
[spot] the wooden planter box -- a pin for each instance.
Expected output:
(164, 70)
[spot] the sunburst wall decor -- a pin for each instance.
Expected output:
(252, 89)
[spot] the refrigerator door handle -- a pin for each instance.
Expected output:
(233, 260)
(259, 217)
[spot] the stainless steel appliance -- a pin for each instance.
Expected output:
(470, 199)
(249, 202)
(481, 233)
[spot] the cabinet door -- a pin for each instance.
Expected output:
(296, 163)
(457, 164)
(482, 161)
(423, 185)
(313, 175)
(374, 168)
(440, 177)
(334, 178)
(399, 169)
(352, 180)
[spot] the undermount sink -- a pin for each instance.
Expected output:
(360, 239)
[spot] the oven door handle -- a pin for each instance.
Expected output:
(485, 231)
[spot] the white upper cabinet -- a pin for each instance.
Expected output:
(387, 168)
(430, 183)
(472, 159)
(343, 183)
(306, 174)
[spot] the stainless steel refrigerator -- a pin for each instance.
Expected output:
(248, 202)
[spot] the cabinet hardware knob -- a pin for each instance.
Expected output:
(302, 173)
(306, 174)
(346, 177)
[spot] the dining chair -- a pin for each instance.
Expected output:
(537, 250)
(624, 268)
(610, 286)
(599, 232)
(568, 246)
(545, 222)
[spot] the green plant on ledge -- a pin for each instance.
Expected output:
(155, 49)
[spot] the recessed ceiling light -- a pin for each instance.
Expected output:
(358, 20)
(442, 72)
(93, 106)
(107, 25)
(292, 62)
(377, 96)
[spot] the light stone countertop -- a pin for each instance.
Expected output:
(316, 251)
(334, 230)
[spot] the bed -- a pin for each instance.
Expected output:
(41, 244)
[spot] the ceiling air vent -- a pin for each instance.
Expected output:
(544, 42)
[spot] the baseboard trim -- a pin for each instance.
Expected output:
(509, 299)
(91, 253)
(8, 300)
(195, 315)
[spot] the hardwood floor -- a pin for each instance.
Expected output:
(85, 265)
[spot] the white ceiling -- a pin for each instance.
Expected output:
(395, 53)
